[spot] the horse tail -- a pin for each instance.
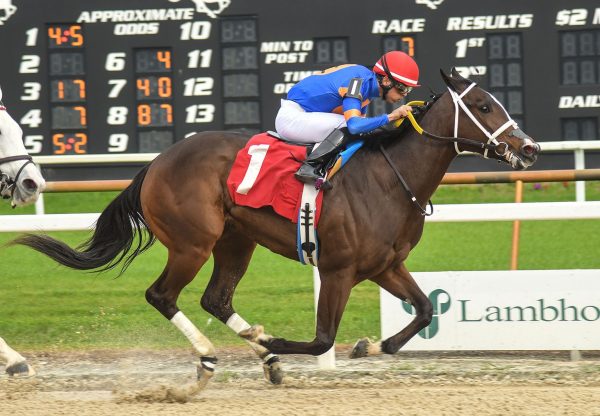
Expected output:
(121, 234)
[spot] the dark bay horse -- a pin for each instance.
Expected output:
(368, 226)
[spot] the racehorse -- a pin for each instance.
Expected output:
(367, 228)
(22, 182)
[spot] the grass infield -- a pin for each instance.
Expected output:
(45, 306)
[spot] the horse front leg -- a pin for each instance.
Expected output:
(399, 282)
(333, 296)
(16, 365)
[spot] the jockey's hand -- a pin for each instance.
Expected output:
(400, 112)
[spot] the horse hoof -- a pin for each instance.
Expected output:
(21, 369)
(203, 375)
(364, 348)
(360, 349)
(273, 371)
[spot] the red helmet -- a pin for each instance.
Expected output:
(400, 67)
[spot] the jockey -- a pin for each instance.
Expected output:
(319, 105)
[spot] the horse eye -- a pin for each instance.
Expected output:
(484, 109)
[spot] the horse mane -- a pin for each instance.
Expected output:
(383, 134)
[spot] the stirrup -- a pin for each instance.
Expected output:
(306, 178)
(312, 178)
(306, 173)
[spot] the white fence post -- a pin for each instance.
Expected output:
(39, 205)
(580, 185)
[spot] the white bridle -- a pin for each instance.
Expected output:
(457, 98)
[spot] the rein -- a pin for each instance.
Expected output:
(411, 196)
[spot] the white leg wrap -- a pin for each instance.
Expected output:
(268, 357)
(187, 328)
(8, 355)
(237, 323)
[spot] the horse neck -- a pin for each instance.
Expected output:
(424, 161)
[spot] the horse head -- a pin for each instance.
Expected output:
(20, 179)
(480, 116)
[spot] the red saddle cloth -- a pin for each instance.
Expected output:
(263, 175)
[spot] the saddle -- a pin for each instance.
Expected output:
(262, 175)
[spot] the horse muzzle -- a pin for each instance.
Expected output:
(524, 154)
(26, 191)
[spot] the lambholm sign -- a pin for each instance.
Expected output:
(503, 310)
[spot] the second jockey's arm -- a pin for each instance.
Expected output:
(357, 123)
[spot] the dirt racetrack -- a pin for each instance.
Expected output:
(134, 383)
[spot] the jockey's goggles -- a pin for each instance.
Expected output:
(402, 89)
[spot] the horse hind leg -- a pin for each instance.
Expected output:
(399, 283)
(180, 270)
(232, 254)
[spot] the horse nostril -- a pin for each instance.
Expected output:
(30, 185)
(530, 149)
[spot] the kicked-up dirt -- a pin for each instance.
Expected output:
(135, 382)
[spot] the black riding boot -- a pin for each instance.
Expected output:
(312, 168)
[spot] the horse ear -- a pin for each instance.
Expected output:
(0, 94)
(446, 78)
(455, 73)
(453, 81)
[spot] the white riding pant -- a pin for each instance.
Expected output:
(295, 124)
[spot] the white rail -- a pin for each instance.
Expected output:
(530, 211)
(572, 145)
(85, 159)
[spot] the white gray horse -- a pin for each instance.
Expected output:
(21, 182)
